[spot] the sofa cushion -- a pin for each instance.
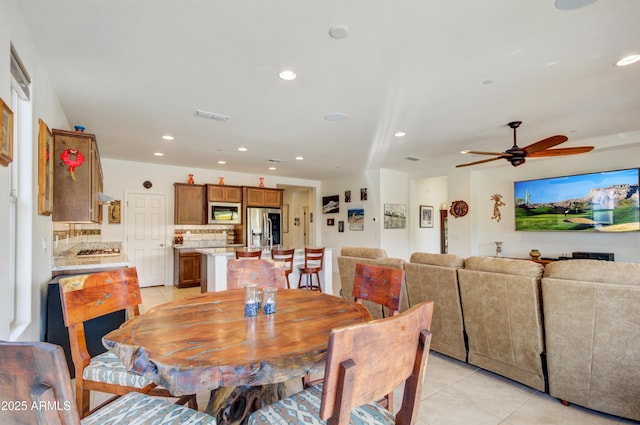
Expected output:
(434, 277)
(592, 334)
(503, 317)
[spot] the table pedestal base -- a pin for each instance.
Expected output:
(232, 405)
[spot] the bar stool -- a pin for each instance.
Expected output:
(248, 254)
(285, 256)
(313, 260)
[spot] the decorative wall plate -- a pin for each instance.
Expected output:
(459, 209)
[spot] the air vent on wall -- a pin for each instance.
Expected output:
(210, 115)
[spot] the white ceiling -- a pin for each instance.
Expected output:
(132, 71)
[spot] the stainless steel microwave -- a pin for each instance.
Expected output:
(224, 213)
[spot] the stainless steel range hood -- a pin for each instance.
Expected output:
(103, 198)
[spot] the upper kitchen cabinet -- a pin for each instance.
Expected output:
(77, 177)
(189, 203)
(223, 193)
(261, 197)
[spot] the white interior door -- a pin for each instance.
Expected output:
(146, 236)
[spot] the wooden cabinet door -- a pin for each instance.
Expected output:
(220, 193)
(77, 182)
(272, 198)
(189, 204)
(189, 269)
(260, 197)
(255, 197)
(232, 193)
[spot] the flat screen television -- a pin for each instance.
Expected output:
(605, 201)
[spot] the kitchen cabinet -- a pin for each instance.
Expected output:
(223, 193)
(189, 205)
(186, 268)
(260, 197)
(77, 177)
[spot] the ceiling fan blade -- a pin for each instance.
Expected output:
(561, 151)
(544, 144)
(486, 153)
(478, 162)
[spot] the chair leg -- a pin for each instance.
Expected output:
(83, 400)
(318, 279)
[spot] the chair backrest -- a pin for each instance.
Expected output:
(86, 297)
(35, 386)
(285, 256)
(248, 254)
(261, 272)
(380, 285)
(313, 257)
(367, 361)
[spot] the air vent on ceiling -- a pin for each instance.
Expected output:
(274, 161)
(412, 158)
(210, 115)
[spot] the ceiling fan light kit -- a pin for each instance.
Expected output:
(517, 156)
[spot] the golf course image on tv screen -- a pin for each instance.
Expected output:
(604, 201)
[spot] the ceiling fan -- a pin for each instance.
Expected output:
(516, 155)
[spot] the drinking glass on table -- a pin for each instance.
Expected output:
(269, 300)
(251, 304)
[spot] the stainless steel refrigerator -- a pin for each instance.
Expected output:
(264, 227)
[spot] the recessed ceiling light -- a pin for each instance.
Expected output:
(338, 31)
(335, 116)
(628, 60)
(572, 4)
(158, 154)
(242, 149)
(299, 158)
(167, 137)
(222, 162)
(400, 134)
(287, 75)
(272, 168)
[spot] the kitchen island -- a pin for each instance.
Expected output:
(216, 268)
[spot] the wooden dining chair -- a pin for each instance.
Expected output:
(260, 272)
(313, 261)
(86, 297)
(36, 388)
(248, 253)
(285, 256)
(364, 362)
(381, 286)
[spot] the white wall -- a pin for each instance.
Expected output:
(121, 177)
(394, 189)
(475, 234)
(430, 192)
(35, 251)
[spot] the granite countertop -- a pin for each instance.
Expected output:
(68, 260)
(205, 244)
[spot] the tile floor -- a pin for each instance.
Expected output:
(455, 393)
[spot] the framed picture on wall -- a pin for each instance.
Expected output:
(6, 134)
(45, 169)
(426, 216)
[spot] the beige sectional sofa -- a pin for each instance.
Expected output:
(584, 349)
(501, 304)
(592, 325)
(347, 260)
(434, 277)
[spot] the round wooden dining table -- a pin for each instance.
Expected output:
(206, 343)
